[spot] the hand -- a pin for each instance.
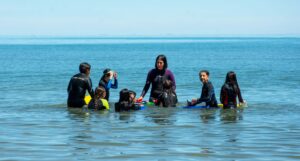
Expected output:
(140, 99)
(115, 75)
(194, 101)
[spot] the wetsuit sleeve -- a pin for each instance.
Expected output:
(108, 85)
(69, 86)
(223, 95)
(172, 78)
(89, 87)
(115, 85)
(240, 96)
(207, 98)
(147, 85)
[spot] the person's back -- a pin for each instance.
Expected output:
(230, 91)
(78, 85)
(98, 102)
(168, 98)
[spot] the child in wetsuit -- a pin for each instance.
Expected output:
(207, 94)
(106, 81)
(126, 101)
(99, 102)
(230, 91)
(168, 98)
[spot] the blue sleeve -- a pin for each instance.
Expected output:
(108, 85)
(115, 85)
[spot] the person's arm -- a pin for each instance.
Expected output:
(172, 78)
(89, 87)
(147, 85)
(223, 95)
(69, 86)
(115, 85)
(240, 96)
(207, 98)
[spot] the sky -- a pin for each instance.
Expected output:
(149, 17)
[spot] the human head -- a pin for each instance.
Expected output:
(132, 95)
(85, 68)
(204, 75)
(124, 95)
(100, 92)
(107, 74)
(161, 62)
(167, 84)
(231, 77)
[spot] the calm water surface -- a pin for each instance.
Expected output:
(36, 125)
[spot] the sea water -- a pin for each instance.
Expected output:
(37, 125)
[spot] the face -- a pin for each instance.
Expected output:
(160, 64)
(88, 72)
(132, 97)
(203, 77)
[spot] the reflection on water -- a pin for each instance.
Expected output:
(207, 115)
(152, 134)
(231, 115)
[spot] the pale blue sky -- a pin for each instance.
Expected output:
(149, 17)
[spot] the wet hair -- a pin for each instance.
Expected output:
(204, 71)
(231, 79)
(106, 73)
(164, 59)
(167, 84)
(124, 95)
(99, 94)
(84, 67)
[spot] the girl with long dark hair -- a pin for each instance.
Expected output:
(230, 91)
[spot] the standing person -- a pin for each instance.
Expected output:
(156, 78)
(78, 85)
(99, 102)
(230, 91)
(106, 81)
(208, 94)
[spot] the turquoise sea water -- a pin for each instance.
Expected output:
(36, 125)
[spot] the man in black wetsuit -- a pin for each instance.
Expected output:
(208, 94)
(78, 85)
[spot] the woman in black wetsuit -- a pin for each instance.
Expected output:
(230, 91)
(156, 78)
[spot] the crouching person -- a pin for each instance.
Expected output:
(126, 101)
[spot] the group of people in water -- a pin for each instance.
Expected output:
(163, 89)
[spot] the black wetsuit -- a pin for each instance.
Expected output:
(208, 95)
(107, 86)
(77, 87)
(228, 95)
(156, 78)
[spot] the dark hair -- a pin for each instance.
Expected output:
(106, 73)
(84, 67)
(204, 71)
(164, 59)
(231, 78)
(124, 95)
(167, 84)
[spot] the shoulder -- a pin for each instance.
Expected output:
(209, 84)
(169, 73)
